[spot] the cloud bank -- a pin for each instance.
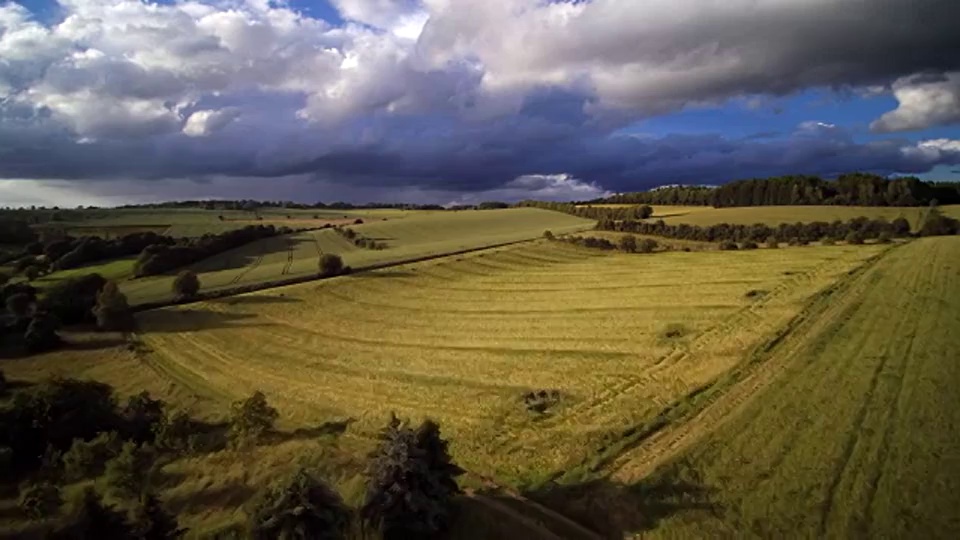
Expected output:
(444, 96)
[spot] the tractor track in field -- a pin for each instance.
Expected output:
(246, 270)
(289, 263)
(638, 459)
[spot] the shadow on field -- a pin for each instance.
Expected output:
(229, 495)
(188, 320)
(93, 343)
(326, 428)
(247, 254)
(615, 510)
(255, 300)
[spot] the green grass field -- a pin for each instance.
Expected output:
(410, 236)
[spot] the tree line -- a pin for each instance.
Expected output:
(936, 224)
(63, 431)
(163, 257)
(593, 212)
(855, 189)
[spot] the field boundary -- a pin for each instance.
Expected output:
(669, 432)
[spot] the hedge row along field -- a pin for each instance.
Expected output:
(848, 430)
(418, 235)
(465, 340)
(705, 216)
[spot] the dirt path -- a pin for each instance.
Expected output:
(830, 305)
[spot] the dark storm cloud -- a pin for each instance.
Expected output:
(491, 91)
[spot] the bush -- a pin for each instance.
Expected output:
(31, 272)
(40, 500)
(749, 244)
(251, 418)
(728, 245)
(42, 334)
(186, 285)
(112, 310)
(19, 304)
(91, 518)
(152, 522)
(87, 458)
(854, 238)
(72, 300)
(302, 508)
(628, 243)
(548, 235)
(330, 265)
(540, 401)
(142, 417)
(411, 482)
(772, 242)
(128, 475)
(647, 245)
(884, 238)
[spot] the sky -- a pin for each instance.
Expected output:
(108, 102)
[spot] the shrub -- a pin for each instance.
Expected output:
(19, 304)
(854, 238)
(749, 244)
(72, 300)
(883, 238)
(548, 235)
(628, 243)
(142, 417)
(31, 272)
(87, 458)
(251, 418)
(40, 500)
(647, 245)
(411, 482)
(41, 334)
(728, 245)
(152, 522)
(901, 227)
(540, 401)
(129, 474)
(330, 265)
(302, 508)
(91, 518)
(772, 242)
(186, 285)
(112, 310)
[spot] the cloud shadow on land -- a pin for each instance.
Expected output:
(190, 320)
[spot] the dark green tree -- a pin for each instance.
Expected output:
(302, 509)
(41, 334)
(130, 473)
(251, 418)
(142, 417)
(152, 522)
(186, 284)
(112, 310)
(92, 518)
(19, 304)
(628, 243)
(40, 500)
(411, 482)
(331, 264)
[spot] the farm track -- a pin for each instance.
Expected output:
(247, 269)
(837, 301)
(289, 263)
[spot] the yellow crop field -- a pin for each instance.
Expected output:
(462, 341)
(412, 235)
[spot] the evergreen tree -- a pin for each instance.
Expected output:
(303, 509)
(410, 482)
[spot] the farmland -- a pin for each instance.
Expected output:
(846, 429)
(800, 391)
(414, 236)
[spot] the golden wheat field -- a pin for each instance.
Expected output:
(462, 340)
